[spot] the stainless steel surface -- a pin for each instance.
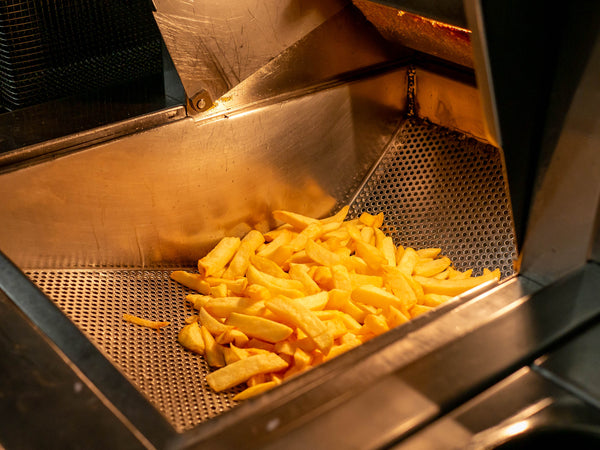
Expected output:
(438, 189)
(522, 411)
(216, 45)
(563, 226)
(463, 177)
(343, 49)
(50, 148)
(575, 365)
(165, 195)
(43, 394)
(529, 62)
(172, 379)
(85, 362)
(108, 221)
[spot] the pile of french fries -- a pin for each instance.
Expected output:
(270, 306)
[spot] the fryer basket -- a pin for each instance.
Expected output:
(436, 188)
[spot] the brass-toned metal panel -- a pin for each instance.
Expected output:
(451, 102)
(420, 33)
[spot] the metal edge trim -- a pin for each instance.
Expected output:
(87, 361)
(30, 153)
(483, 70)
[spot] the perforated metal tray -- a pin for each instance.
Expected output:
(436, 188)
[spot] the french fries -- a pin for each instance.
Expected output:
(273, 305)
(154, 324)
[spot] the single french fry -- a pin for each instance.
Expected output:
(219, 290)
(341, 234)
(371, 220)
(213, 325)
(443, 275)
(229, 355)
(376, 324)
(277, 286)
(367, 235)
(429, 252)
(395, 317)
(371, 255)
(271, 235)
(154, 324)
(385, 244)
(338, 217)
(287, 347)
(341, 277)
(408, 261)
(458, 275)
(312, 231)
(315, 302)
(301, 358)
(301, 317)
(222, 307)
(337, 350)
(349, 322)
(198, 300)
(259, 327)
(282, 254)
(298, 258)
(239, 263)
(377, 297)
(268, 266)
(212, 350)
(232, 335)
(323, 277)
(190, 337)
(350, 338)
(340, 300)
(417, 310)
(367, 309)
(191, 280)
(416, 287)
(267, 250)
(233, 285)
(321, 255)
(240, 371)
(433, 267)
(254, 390)
(335, 327)
(300, 272)
(219, 256)
(359, 279)
(400, 287)
(399, 254)
(298, 221)
(257, 292)
(434, 300)
(256, 379)
(453, 287)
(256, 346)
(191, 319)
